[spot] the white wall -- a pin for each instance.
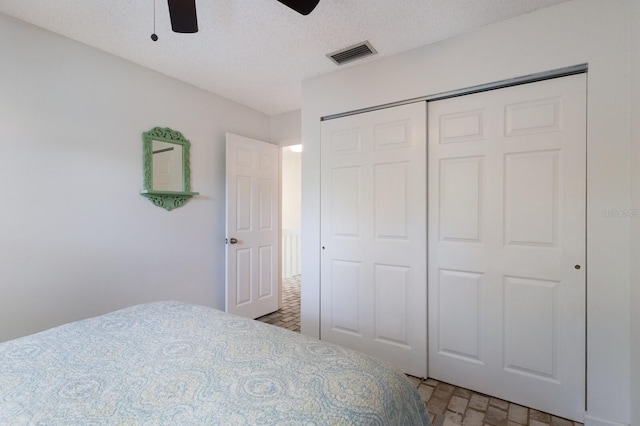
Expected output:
(592, 31)
(286, 128)
(76, 238)
(635, 220)
(291, 189)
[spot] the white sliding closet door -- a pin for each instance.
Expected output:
(507, 231)
(373, 228)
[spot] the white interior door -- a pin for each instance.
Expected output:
(373, 229)
(507, 231)
(252, 224)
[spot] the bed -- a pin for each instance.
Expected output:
(181, 364)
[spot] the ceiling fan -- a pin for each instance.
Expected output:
(184, 19)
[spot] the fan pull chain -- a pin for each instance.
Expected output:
(154, 37)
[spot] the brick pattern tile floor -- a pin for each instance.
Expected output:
(289, 315)
(448, 405)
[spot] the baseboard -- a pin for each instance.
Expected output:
(596, 421)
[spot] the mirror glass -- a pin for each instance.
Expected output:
(165, 161)
(167, 166)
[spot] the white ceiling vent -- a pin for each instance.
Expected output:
(352, 53)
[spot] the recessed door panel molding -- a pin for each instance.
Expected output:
(391, 285)
(244, 158)
(373, 214)
(531, 188)
(346, 141)
(531, 117)
(266, 207)
(267, 162)
(243, 276)
(530, 322)
(460, 199)
(460, 330)
(510, 207)
(465, 126)
(345, 300)
(345, 202)
(392, 135)
(391, 200)
(244, 186)
(266, 284)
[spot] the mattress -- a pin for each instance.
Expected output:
(181, 364)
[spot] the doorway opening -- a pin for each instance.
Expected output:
(288, 316)
(291, 170)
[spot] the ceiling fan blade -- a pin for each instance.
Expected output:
(183, 16)
(304, 7)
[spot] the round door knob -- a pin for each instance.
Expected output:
(233, 241)
(577, 266)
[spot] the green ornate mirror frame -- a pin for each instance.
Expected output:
(166, 168)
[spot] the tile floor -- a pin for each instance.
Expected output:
(289, 316)
(448, 405)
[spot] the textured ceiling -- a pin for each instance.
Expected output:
(256, 52)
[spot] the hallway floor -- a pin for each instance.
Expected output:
(448, 405)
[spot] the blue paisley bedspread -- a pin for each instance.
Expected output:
(172, 363)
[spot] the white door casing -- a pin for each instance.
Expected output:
(373, 234)
(252, 219)
(507, 235)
